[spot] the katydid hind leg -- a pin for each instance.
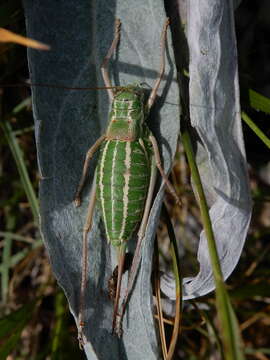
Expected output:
(121, 263)
(88, 157)
(161, 170)
(86, 229)
(153, 94)
(105, 64)
(112, 282)
(137, 254)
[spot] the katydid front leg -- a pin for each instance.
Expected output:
(104, 66)
(89, 155)
(86, 229)
(154, 91)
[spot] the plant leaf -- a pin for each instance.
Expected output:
(11, 327)
(259, 102)
(218, 140)
(68, 123)
(215, 114)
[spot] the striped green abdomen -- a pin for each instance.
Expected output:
(123, 175)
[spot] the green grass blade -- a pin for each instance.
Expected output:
(249, 291)
(18, 157)
(5, 268)
(22, 105)
(18, 237)
(8, 11)
(59, 327)
(212, 335)
(259, 102)
(250, 351)
(11, 327)
(6, 260)
(15, 259)
(255, 128)
(230, 334)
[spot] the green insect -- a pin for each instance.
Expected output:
(124, 178)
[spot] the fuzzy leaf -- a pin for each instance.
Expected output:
(220, 154)
(68, 123)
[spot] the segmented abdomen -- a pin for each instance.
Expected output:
(123, 175)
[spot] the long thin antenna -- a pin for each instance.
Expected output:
(58, 86)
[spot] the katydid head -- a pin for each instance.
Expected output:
(127, 114)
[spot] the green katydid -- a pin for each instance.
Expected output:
(124, 178)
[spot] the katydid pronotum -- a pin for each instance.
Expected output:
(124, 179)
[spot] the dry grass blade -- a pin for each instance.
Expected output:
(169, 352)
(178, 283)
(159, 306)
(176, 327)
(9, 36)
